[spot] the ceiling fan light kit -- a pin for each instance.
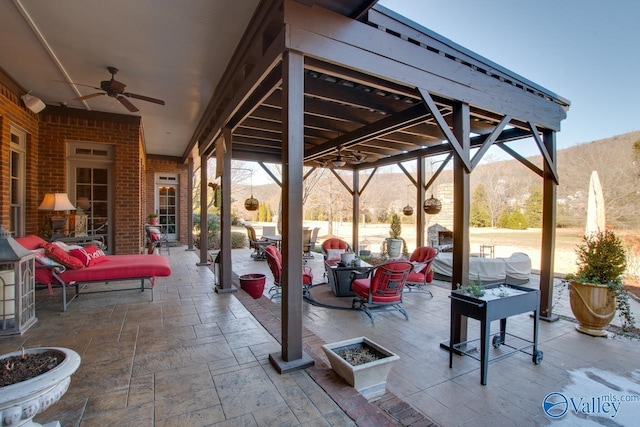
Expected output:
(339, 162)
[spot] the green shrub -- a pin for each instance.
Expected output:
(601, 258)
(238, 240)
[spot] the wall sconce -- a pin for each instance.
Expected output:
(32, 103)
(56, 202)
(17, 286)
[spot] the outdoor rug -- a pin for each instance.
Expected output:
(321, 295)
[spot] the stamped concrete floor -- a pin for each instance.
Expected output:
(194, 357)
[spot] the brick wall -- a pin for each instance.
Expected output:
(46, 168)
(13, 112)
(61, 125)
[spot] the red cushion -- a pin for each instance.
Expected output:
(89, 255)
(121, 267)
(56, 253)
(31, 242)
(334, 243)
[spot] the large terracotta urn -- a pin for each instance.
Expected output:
(594, 307)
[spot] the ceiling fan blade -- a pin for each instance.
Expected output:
(124, 101)
(93, 95)
(77, 84)
(144, 98)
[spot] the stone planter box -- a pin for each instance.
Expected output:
(369, 379)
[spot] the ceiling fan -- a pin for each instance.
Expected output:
(354, 157)
(115, 89)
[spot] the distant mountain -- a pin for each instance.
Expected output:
(613, 158)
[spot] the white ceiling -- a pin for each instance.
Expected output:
(173, 50)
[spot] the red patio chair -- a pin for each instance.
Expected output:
(336, 244)
(421, 273)
(274, 259)
(383, 291)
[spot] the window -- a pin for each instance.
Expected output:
(17, 188)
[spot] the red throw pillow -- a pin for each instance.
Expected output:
(56, 253)
(89, 255)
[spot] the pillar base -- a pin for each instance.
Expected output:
(293, 365)
(220, 290)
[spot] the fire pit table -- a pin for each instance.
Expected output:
(499, 301)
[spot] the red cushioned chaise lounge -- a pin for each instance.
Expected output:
(118, 267)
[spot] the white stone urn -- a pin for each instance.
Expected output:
(369, 379)
(22, 401)
(394, 247)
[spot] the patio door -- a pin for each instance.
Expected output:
(166, 201)
(90, 185)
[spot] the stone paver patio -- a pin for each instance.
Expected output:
(194, 357)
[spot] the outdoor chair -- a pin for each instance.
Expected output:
(306, 242)
(331, 250)
(274, 259)
(268, 230)
(382, 289)
(256, 244)
(156, 239)
(309, 246)
(421, 274)
(333, 247)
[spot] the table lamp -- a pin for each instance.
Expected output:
(56, 202)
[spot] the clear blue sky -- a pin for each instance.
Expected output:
(586, 51)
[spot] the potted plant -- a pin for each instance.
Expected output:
(32, 381)
(595, 291)
(395, 245)
(153, 218)
(362, 363)
(253, 284)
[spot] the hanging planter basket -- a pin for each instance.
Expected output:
(432, 206)
(407, 210)
(251, 204)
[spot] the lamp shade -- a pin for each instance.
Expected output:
(56, 202)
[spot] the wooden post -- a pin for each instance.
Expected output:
(292, 357)
(461, 208)
(226, 275)
(190, 204)
(547, 250)
(203, 210)
(355, 205)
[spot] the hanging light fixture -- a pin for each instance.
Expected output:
(432, 206)
(251, 204)
(339, 161)
(407, 210)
